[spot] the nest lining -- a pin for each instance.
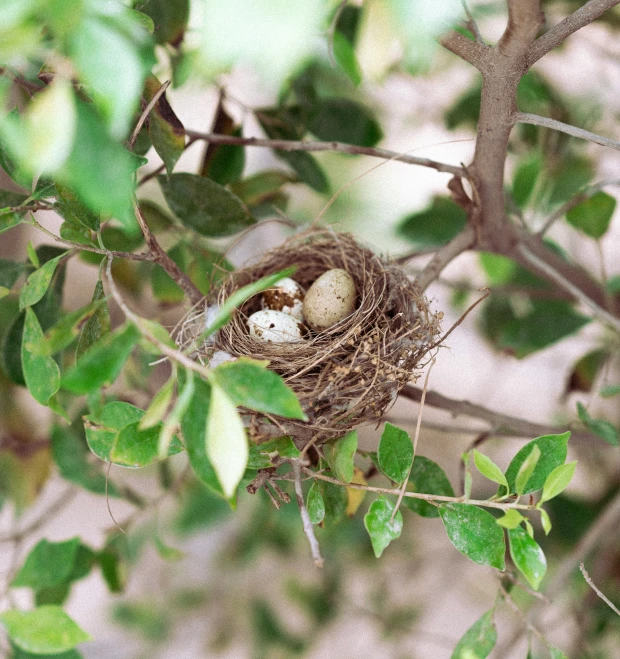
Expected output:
(351, 373)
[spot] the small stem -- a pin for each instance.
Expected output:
(305, 517)
(147, 110)
(592, 585)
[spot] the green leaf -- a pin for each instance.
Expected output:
(489, 469)
(478, 640)
(48, 564)
(37, 283)
(172, 422)
(344, 54)
(41, 372)
(556, 653)
(228, 161)
(545, 520)
(261, 454)
(427, 477)
(335, 499)
(436, 225)
(558, 480)
(156, 218)
(102, 363)
(45, 630)
(158, 407)
(586, 370)
(135, 448)
(261, 188)
(111, 68)
(613, 283)
(511, 519)
(498, 269)
(74, 211)
(165, 289)
(64, 332)
(98, 325)
(343, 120)
(32, 255)
(601, 428)
(395, 453)
(165, 129)
(527, 556)
(227, 445)
(169, 554)
(525, 178)
(18, 653)
(553, 450)
(205, 206)
(70, 453)
(379, 525)
(250, 384)
(475, 533)
(593, 215)
(315, 504)
(611, 390)
(170, 19)
(101, 430)
(527, 469)
(339, 455)
(10, 272)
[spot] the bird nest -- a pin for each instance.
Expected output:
(345, 376)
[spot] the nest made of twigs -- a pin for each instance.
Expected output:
(349, 374)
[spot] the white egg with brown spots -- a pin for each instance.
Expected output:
(272, 326)
(287, 296)
(330, 299)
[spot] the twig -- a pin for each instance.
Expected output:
(444, 255)
(432, 498)
(415, 441)
(107, 498)
(557, 34)
(472, 26)
(147, 110)
(592, 585)
(546, 122)
(340, 147)
(571, 203)
(470, 51)
(498, 421)
(305, 517)
(161, 258)
(556, 278)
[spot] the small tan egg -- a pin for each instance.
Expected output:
(330, 299)
(275, 327)
(286, 296)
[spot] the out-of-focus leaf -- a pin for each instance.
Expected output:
(611, 390)
(98, 325)
(427, 477)
(342, 120)
(395, 453)
(478, 640)
(169, 18)
(593, 215)
(436, 225)
(205, 206)
(37, 283)
(315, 504)
(474, 532)
(335, 500)
(222, 162)
(158, 406)
(527, 556)
(572, 175)
(165, 129)
(603, 429)
(378, 522)
(466, 110)
(498, 269)
(344, 54)
(585, 371)
(48, 564)
(227, 445)
(101, 365)
(165, 289)
(46, 629)
(41, 372)
(249, 384)
(261, 188)
(135, 448)
(556, 653)
(73, 210)
(10, 271)
(558, 480)
(525, 178)
(156, 218)
(355, 497)
(553, 449)
(340, 454)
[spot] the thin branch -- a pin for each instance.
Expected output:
(472, 26)
(524, 21)
(602, 595)
(557, 34)
(501, 422)
(500, 505)
(444, 255)
(305, 517)
(602, 314)
(546, 122)
(147, 110)
(339, 147)
(571, 203)
(512, 604)
(468, 50)
(161, 257)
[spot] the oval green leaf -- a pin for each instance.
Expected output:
(315, 504)
(395, 453)
(427, 477)
(340, 454)
(478, 640)
(41, 372)
(527, 555)
(489, 469)
(558, 480)
(37, 283)
(379, 525)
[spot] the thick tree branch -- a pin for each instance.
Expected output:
(497, 420)
(524, 21)
(464, 241)
(160, 257)
(339, 147)
(557, 34)
(546, 122)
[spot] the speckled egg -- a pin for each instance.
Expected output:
(330, 299)
(275, 327)
(287, 296)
